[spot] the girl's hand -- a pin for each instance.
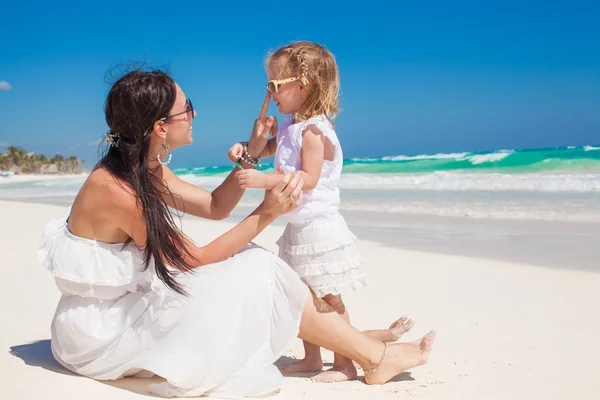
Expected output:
(251, 179)
(235, 152)
(286, 196)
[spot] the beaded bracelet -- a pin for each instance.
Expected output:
(251, 160)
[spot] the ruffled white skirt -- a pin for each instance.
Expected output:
(325, 255)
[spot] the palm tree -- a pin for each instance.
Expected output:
(21, 161)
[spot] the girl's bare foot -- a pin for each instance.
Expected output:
(301, 366)
(399, 357)
(338, 373)
(400, 327)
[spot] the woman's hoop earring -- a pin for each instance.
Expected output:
(166, 149)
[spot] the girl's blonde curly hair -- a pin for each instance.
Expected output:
(318, 66)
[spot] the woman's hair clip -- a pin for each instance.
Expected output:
(112, 139)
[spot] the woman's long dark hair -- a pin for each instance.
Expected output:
(135, 102)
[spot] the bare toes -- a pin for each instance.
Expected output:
(398, 322)
(400, 327)
(427, 341)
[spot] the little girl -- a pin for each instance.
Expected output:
(317, 244)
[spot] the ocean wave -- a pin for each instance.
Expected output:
(368, 159)
(490, 157)
(590, 148)
(439, 156)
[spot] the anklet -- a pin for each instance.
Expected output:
(370, 371)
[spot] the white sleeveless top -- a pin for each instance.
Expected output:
(324, 200)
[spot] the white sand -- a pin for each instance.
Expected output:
(505, 331)
(37, 177)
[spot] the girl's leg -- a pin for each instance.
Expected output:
(312, 361)
(343, 369)
(329, 330)
(394, 332)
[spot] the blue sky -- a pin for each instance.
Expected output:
(417, 77)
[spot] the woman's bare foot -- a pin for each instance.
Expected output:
(301, 366)
(338, 373)
(399, 357)
(400, 327)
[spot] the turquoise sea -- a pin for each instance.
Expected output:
(560, 184)
(558, 160)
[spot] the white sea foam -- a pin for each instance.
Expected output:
(512, 210)
(209, 181)
(367, 159)
(440, 156)
(474, 181)
(490, 157)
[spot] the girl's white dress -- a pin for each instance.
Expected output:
(115, 319)
(316, 242)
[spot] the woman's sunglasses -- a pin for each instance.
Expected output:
(189, 108)
(273, 85)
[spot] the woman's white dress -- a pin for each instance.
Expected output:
(115, 319)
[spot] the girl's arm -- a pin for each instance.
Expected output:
(312, 157)
(269, 150)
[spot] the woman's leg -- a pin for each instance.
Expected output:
(329, 330)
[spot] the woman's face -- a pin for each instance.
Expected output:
(179, 127)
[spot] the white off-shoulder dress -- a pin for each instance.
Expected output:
(116, 319)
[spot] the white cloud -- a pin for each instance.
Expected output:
(4, 144)
(5, 86)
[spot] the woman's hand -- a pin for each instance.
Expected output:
(286, 196)
(263, 127)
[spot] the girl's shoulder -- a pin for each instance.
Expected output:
(321, 122)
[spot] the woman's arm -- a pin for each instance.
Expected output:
(217, 204)
(276, 202)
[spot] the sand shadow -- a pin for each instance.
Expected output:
(402, 377)
(283, 360)
(39, 354)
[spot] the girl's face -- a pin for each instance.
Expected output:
(289, 97)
